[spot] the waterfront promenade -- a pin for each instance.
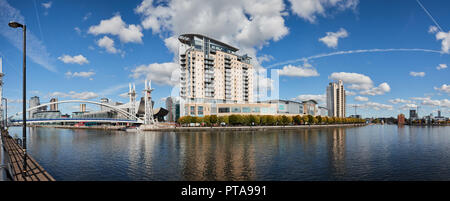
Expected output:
(14, 160)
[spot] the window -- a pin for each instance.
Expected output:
(200, 110)
(236, 109)
(256, 109)
(246, 109)
(192, 110)
(224, 110)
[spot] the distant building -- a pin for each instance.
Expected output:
(34, 101)
(413, 115)
(309, 107)
(355, 116)
(83, 107)
(322, 111)
(170, 108)
(104, 101)
(401, 119)
(439, 117)
(287, 106)
(54, 106)
(46, 115)
(336, 99)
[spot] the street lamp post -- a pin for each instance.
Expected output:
(24, 99)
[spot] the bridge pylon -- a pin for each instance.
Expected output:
(132, 95)
(148, 115)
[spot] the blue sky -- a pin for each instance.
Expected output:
(92, 49)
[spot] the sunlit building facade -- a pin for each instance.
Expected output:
(336, 99)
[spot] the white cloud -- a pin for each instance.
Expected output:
(444, 88)
(15, 100)
(408, 106)
(361, 98)
(361, 82)
(350, 93)
(78, 30)
(430, 102)
(116, 26)
(417, 74)
(445, 37)
(87, 16)
(124, 95)
(377, 106)
(47, 5)
(89, 74)
(332, 38)
(160, 73)
(172, 44)
(399, 100)
(298, 71)
(380, 90)
(79, 59)
(249, 24)
(441, 66)
(357, 81)
(319, 98)
(432, 29)
(246, 24)
(74, 95)
(36, 49)
(310, 9)
(108, 44)
(265, 58)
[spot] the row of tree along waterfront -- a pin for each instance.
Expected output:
(264, 120)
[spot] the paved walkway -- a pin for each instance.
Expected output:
(2, 170)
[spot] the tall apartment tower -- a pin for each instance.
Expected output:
(212, 71)
(54, 106)
(34, 101)
(336, 99)
(83, 107)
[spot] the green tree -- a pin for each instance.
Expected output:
(305, 119)
(271, 120)
(213, 119)
(310, 119)
(314, 120)
(297, 119)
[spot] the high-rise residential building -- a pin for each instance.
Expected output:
(54, 106)
(170, 108)
(213, 72)
(336, 99)
(82, 107)
(34, 101)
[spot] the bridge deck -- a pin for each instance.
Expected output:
(34, 172)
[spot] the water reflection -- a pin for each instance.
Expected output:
(363, 153)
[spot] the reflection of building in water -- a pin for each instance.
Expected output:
(337, 151)
(216, 157)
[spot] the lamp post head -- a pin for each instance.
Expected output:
(15, 24)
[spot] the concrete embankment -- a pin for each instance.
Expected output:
(249, 128)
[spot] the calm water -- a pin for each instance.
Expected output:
(379, 152)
